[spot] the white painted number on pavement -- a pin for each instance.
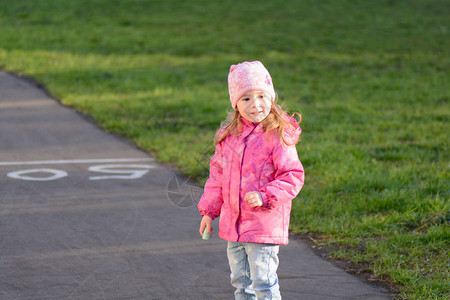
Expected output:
(57, 174)
(120, 171)
(126, 174)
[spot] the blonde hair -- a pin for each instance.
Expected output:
(276, 120)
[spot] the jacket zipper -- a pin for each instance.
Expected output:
(240, 179)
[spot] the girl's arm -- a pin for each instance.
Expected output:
(289, 177)
(211, 201)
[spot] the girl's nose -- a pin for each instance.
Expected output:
(256, 102)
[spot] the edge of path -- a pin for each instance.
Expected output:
(320, 248)
(86, 117)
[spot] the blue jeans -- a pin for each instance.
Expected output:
(254, 270)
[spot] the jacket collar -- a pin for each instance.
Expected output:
(249, 127)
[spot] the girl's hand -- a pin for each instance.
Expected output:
(254, 199)
(206, 222)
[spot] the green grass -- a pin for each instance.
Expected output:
(369, 77)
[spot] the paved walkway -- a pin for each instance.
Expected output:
(85, 215)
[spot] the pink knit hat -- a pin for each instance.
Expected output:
(248, 76)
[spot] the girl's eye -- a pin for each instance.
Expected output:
(246, 99)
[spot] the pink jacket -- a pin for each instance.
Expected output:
(253, 162)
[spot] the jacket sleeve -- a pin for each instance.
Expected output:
(212, 199)
(289, 177)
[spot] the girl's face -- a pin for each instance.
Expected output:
(254, 106)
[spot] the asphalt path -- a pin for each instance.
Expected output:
(86, 215)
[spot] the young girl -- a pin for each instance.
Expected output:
(254, 175)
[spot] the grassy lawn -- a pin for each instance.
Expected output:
(370, 79)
